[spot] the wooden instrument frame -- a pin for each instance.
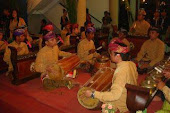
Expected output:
(20, 73)
(93, 84)
(138, 98)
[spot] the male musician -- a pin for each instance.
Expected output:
(46, 59)
(122, 36)
(75, 30)
(21, 47)
(125, 72)
(86, 48)
(152, 51)
(140, 27)
(166, 91)
(45, 30)
(161, 85)
(74, 35)
(65, 34)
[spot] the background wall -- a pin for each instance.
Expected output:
(45, 9)
(97, 8)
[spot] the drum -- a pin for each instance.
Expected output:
(102, 62)
(101, 81)
(69, 63)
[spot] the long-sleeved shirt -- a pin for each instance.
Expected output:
(24, 50)
(47, 56)
(152, 50)
(83, 50)
(65, 38)
(166, 92)
(141, 27)
(125, 72)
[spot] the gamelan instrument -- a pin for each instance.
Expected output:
(63, 66)
(102, 62)
(21, 67)
(101, 81)
(139, 97)
(69, 63)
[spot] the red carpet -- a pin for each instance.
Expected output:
(31, 98)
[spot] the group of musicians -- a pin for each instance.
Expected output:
(151, 53)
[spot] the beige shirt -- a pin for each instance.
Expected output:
(166, 92)
(83, 50)
(47, 56)
(13, 25)
(24, 50)
(65, 38)
(152, 50)
(141, 27)
(2, 45)
(125, 72)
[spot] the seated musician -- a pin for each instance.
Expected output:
(86, 48)
(122, 36)
(83, 29)
(125, 72)
(166, 91)
(75, 35)
(75, 30)
(21, 47)
(140, 27)
(152, 51)
(46, 61)
(45, 30)
(65, 34)
(3, 44)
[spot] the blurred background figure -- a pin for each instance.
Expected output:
(15, 22)
(156, 20)
(4, 23)
(64, 19)
(43, 24)
(140, 26)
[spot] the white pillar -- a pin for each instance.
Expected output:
(114, 11)
(81, 12)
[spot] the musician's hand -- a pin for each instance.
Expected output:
(88, 93)
(166, 73)
(92, 51)
(160, 85)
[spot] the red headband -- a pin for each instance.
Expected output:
(48, 27)
(115, 47)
